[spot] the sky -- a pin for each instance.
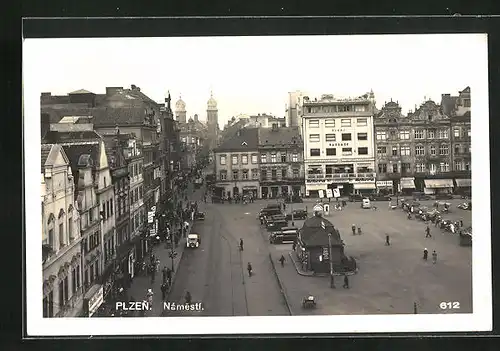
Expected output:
(250, 75)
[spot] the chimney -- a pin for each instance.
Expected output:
(113, 90)
(133, 87)
(44, 124)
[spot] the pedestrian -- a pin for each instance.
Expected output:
(426, 253)
(241, 244)
(387, 242)
(461, 224)
(249, 269)
(294, 245)
(359, 231)
(434, 256)
(282, 260)
(346, 282)
(415, 308)
(284, 207)
(165, 273)
(353, 228)
(428, 232)
(169, 276)
(164, 289)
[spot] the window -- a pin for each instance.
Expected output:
(330, 137)
(314, 138)
(419, 150)
(419, 134)
(346, 136)
(466, 102)
(244, 159)
(223, 175)
(405, 167)
(223, 160)
(273, 158)
(360, 108)
(235, 175)
(48, 305)
(468, 132)
(263, 158)
(394, 151)
(431, 134)
(345, 122)
(295, 157)
(456, 133)
(457, 149)
(420, 167)
(346, 151)
(234, 159)
(330, 123)
(263, 174)
(404, 135)
(70, 229)
(244, 174)
(274, 174)
(283, 157)
(405, 150)
(105, 185)
(314, 123)
(458, 165)
(255, 173)
(344, 108)
(381, 136)
(140, 191)
(443, 149)
(314, 152)
(361, 122)
(443, 134)
(283, 173)
(295, 172)
(381, 150)
(467, 166)
(444, 167)
(108, 208)
(61, 235)
(74, 272)
(362, 136)
(255, 159)
(331, 151)
(394, 168)
(362, 151)
(432, 150)
(382, 168)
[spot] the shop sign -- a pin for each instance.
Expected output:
(95, 301)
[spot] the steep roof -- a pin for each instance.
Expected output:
(244, 139)
(280, 136)
(312, 232)
(75, 151)
(45, 151)
(102, 115)
(448, 104)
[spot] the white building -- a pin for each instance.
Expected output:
(338, 144)
(62, 269)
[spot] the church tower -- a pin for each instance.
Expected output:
(180, 111)
(212, 121)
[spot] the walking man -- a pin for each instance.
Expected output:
(282, 260)
(241, 244)
(164, 291)
(428, 232)
(294, 245)
(169, 276)
(165, 274)
(434, 257)
(387, 242)
(346, 282)
(353, 228)
(426, 253)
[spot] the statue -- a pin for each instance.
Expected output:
(168, 101)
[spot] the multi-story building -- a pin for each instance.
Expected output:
(194, 139)
(293, 109)
(236, 164)
(61, 237)
(414, 151)
(212, 122)
(77, 136)
(338, 144)
(281, 162)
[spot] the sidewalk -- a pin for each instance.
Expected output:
(142, 282)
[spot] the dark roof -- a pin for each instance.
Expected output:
(448, 104)
(45, 148)
(75, 151)
(313, 234)
(71, 137)
(466, 90)
(248, 139)
(280, 136)
(102, 115)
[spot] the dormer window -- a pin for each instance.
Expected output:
(244, 143)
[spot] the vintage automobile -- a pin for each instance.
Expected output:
(294, 199)
(309, 302)
(465, 206)
(297, 214)
(267, 212)
(419, 196)
(193, 241)
(273, 225)
(200, 216)
(443, 196)
(442, 206)
(380, 197)
(285, 235)
(356, 197)
(467, 194)
(366, 204)
(422, 212)
(466, 237)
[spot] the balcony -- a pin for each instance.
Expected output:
(340, 176)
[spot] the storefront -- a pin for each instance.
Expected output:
(364, 188)
(250, 189)
(438, 186)
(407, 185)
(463, 185)
(312, 190)
(385, 187)
(93, 299)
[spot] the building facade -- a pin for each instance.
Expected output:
(293, 108)
(61, 237)
(236, 164)
(281, 162)
(338, 144)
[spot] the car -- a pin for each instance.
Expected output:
(285, 235)
(356, 197)
(465, 206)
(444, 196)
(274, 218)
(380, 197)
(294, 199)
(276, 225)
(466, 237)
(193, 241)
(419, 196)
(366, 203)
(200, 216)
(467, 194)
(297, 214)
(266, 212)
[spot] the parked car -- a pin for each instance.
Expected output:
(465, 206)
(366, 204)
(193, 241)
(419, 196)
(466, 237)
(297, 214)
(294, 199)
(380, 197)
(200, 216)
(276, 225)
(444, 196)
(285, 235)
(266, 212)
(467, 194)
(356, 197)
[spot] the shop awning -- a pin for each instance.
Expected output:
(384, 184)
(463, 183)
(407, 183)
(364, 186)
(438, 183)
(249, 187)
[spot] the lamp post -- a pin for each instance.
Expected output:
(332, 282)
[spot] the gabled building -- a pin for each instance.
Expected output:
(61, 236)
(236, 164)
(281, 162)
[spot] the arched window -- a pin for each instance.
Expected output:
(105, 185)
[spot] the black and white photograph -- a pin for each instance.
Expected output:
(257, 185)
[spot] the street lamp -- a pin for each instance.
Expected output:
(332, 282)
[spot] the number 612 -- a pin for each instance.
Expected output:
(450, 305)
